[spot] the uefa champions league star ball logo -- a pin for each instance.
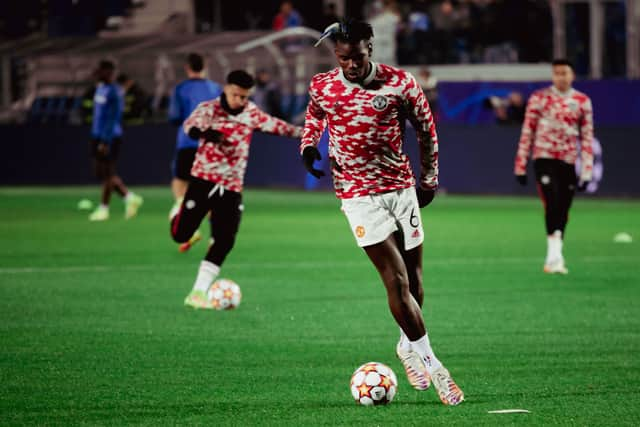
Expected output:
(379, 102)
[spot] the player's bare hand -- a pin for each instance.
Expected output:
(424, 196)
(309, 155)
(522, 179)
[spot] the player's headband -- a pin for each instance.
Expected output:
(336, 27)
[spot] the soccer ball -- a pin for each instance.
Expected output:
(224, 294)
(373, 384)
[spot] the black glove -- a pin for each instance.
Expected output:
(209, 135)
(522, 179)
(424, 196)
(583, 185)
(309, 155)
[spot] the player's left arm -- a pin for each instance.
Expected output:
(268, 124)
(586, 142)
(419, 114)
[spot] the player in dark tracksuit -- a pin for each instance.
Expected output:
(106, 139)
(184, 99)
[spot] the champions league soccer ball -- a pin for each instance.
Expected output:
(373, 384)
(224, 294)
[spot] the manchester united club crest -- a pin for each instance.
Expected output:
(379, 102)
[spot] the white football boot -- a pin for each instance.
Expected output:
(414, 368)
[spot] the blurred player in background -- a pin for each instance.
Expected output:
(223, 127)
(364, 105)
(557, 119)
(106, 134)
(184, 99)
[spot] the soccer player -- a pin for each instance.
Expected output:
(106, 133)
(185, 98)
(556, 120)
(223, 128)
(364, 105)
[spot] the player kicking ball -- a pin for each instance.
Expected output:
(364, 105)
(223, 128)
(556, 118)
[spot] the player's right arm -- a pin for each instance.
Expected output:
(198, 124)
(531, 118)
(314, 124)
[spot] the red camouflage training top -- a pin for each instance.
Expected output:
(554, 123)
(225, 162)
(366, 127)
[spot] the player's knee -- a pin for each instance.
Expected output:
(397, 286)
(225, 241)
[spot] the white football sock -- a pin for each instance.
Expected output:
(104, 207)
(404, 344)
(554, 247)
(424, 350)
(207, 273)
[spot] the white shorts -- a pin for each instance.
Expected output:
(375, 217)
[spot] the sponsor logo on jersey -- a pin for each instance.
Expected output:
(416, 234)
(379, 102)
(360, 232)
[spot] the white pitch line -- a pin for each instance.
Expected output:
(275, 265)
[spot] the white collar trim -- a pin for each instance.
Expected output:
(368, 79)
(566, 94)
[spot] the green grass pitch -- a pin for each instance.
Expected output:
(93, 330)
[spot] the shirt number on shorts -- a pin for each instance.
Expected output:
(413, 220)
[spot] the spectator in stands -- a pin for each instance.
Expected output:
(386, 23)
(106, 135)
(329, 16)
(136, 101)
(418, 28)
(287, 17)
(266, 94)
(449, 20)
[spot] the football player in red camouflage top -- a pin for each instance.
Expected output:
(557, 119)
(365, 106)
(223, 127)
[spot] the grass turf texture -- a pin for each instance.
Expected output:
(94, 332)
